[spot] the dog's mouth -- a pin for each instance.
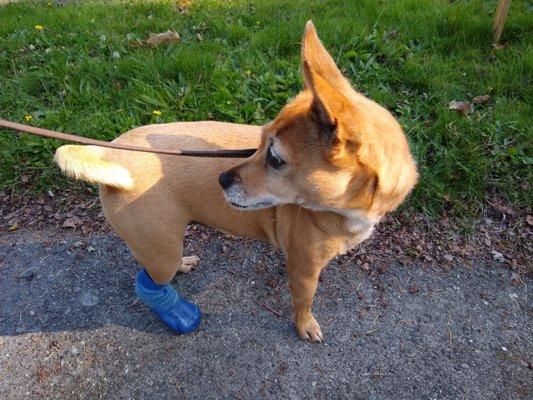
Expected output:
(256, 206)
(237, 197)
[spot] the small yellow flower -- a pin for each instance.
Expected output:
(156, 113)
(39, 28)
(28, 117)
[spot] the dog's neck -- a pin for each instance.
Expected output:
(357, 225)
(356, 220)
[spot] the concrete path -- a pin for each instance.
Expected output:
(71, 328)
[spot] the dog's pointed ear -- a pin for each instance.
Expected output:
(320, 61)
(321, 110)
(328, 109)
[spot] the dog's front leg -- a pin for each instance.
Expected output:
(303, 281)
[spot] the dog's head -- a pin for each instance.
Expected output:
(330, 148)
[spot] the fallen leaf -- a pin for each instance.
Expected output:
(168, 37)
(13, 227)
(484, 98)
(462, 107)
(72, 222)
(529, 220)
(498, 47)
(503, 209)
(448, 257)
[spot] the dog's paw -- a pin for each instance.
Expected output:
(188, 263)
(308, 329)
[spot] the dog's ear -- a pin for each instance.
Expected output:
(322, 105)
(329, 108)
(320, 61)
(329, 111)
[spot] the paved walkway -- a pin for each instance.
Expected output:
(70, 328)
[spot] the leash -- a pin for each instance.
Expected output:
(243, 153)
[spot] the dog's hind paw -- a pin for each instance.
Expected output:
(188, 263)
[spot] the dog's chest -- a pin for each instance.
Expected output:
(358, 230)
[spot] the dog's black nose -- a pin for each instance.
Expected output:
(226, 179)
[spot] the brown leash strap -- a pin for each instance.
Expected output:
(244, 153)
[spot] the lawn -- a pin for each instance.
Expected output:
(238, 61)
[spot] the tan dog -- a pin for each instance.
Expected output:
(326, 170)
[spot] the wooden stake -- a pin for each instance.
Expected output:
(499, 19)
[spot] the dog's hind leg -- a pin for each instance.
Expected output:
(160, 253)
(156, 241)
(152, 283)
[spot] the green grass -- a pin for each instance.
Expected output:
(239, 61)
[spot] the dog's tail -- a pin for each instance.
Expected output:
(86, 163)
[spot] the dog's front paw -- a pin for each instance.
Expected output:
(188, 263)
(308, 328)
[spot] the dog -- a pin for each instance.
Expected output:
(326, 170)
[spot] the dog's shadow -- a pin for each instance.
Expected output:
(87, 283)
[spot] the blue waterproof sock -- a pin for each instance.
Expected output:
(180, 315)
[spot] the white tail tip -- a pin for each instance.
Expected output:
(85, 163)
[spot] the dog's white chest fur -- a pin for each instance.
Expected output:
(360, 230)
(359, 226)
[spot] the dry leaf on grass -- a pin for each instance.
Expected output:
(484, 98)
(168, 37)
(498, 47)
(466, 107)
(503, 208)
(462, 107)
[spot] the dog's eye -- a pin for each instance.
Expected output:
(273, 160)
(276, 163)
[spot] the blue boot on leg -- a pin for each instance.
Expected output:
(180, 315)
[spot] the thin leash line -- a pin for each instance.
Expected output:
(241, 153)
